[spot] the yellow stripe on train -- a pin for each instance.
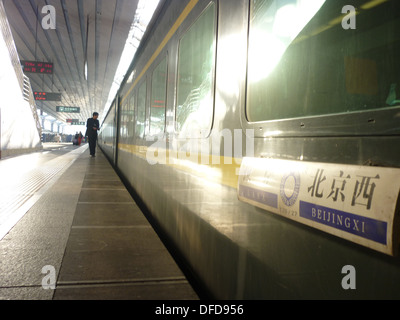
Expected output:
(220, 169)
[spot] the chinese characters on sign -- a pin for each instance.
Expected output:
(68, 109)
(75, 122)
(361, 195)
(37, 67)
(47, 96)
(352, 202)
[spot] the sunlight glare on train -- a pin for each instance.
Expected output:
(144, 14)
(234, 56)
(272, 34)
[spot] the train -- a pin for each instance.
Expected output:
(261, 139)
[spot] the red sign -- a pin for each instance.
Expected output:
(37, 67)
(47, 96)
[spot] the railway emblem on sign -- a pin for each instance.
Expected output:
(289, 190)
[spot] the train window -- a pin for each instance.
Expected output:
(131, 115)
(196, 63)
(307, 58)
(158, 98)
(123, 122)
(141, 111)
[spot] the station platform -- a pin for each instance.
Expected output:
(67, 216)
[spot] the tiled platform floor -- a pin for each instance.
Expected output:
(94, 235)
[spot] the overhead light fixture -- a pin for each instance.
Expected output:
(86, 49)
(86, 71)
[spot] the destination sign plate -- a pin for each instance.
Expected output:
(356, 203)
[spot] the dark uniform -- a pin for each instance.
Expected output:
(92, 127)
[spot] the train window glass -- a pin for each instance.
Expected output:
(141, 111)
(124, 121)
(306, 59)
(196, 62)
(158, 98)
(131, 115)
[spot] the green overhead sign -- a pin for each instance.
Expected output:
(69, 109)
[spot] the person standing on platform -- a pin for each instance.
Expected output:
(92, 128)
(80, 136)
(75, 141)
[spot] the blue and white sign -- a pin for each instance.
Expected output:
(356, 203)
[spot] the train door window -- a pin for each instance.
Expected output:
(306, 60)
(131, 115)
(123, 121)
(141, 111)
(195, 83)
(158, 98)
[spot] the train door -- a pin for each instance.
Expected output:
(116, 130)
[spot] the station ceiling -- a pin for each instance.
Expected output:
(85, 30)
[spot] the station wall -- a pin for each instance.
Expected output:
(19, 133)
